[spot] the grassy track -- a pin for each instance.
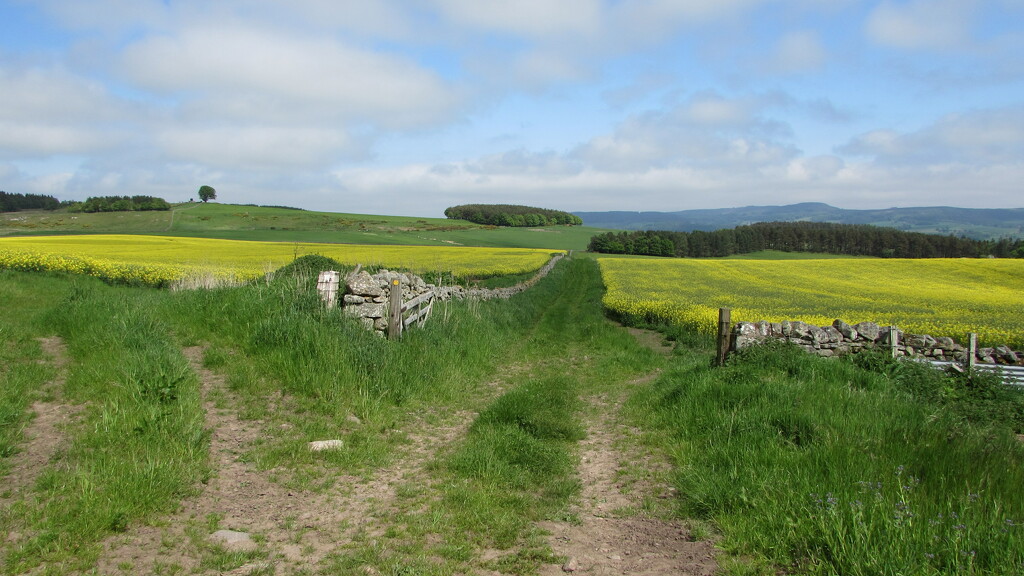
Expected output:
(516, 465)
(140, 446)
(23, 369)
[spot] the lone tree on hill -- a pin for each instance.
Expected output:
(207, 193)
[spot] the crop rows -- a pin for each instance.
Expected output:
(942, 297)
(164, 261)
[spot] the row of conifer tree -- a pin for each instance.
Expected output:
(820, 237)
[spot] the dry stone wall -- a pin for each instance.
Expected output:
(841, 338)
(366, 295)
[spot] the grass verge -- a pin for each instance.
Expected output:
(819, 466)
(140, 444)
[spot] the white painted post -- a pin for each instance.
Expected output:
(327, 285)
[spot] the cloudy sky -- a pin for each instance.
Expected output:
(407, 107)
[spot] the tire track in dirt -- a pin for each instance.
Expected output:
(297, 530)
(612, 536)
(45, 434)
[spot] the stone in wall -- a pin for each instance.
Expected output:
(362, 284)
(841, 338)
(868, 330)
(849, 332)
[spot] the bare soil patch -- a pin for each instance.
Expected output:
(294, 530)
(298, 532)
(616, 533)
(651, 339)
(45, 434)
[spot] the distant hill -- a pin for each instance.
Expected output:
(978, 223)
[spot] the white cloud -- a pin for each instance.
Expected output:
(713, 110)
(107, 15)
(523, 162)
(47, 111)
(706, 130)
(922, 24)
(983, 137)
(815, 168)
(151, 96)
(711, 151)
(531, 18)
(798, 52)
(662, 15)
(283, 74)
(259, 147)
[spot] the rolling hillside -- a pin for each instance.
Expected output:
(240, 222)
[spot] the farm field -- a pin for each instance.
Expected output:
(162, 261)
(238, 222)
(504, 437)
(938, 297)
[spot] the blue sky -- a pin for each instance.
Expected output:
(407, 107)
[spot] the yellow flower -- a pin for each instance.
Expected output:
(163, 261)
(942, 297)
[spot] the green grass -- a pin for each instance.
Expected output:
(516, 465)
(140, 446)
(235, 222)
(819, 466)
(800, 464)
(23, 368)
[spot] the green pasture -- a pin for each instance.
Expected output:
(238, 222)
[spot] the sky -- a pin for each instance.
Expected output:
(408, 107)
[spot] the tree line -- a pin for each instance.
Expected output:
(511, 215)
(120, 204)
(10, 202)
(822, 237)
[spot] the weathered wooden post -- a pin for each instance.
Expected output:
(395, 310)
(724, 333)
(894, 340)
(327, 285)
(972, 351)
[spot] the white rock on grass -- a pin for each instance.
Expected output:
(233, 541)
(321, 445)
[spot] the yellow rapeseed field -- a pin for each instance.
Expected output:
(164, 261)
(942, 297)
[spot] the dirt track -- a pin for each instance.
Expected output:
(296, 532)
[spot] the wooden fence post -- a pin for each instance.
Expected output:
(327, 285)
(395, 310)
(972, 352)
(724, 333)
(894, 339)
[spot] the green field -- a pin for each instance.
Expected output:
(495, 438)
(236, 222)
(468, 446)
